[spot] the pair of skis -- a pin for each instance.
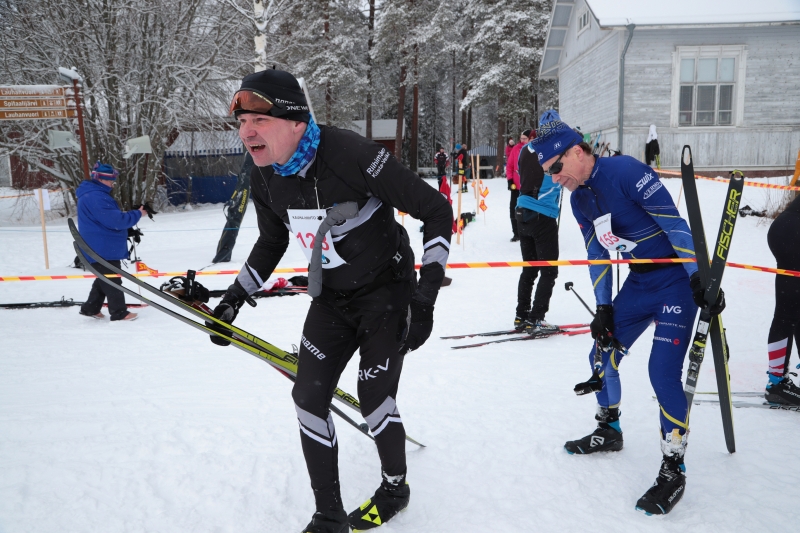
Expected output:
(284, 362)
(711, 277)
(566, 329)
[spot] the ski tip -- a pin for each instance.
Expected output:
(686, 155)
(647, 513)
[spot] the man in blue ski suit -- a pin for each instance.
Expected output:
(621, 205)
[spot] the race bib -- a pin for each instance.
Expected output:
(606, 237)
(304, 224)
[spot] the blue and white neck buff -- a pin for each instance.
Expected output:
(306, 149)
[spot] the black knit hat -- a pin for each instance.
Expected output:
(281, 87)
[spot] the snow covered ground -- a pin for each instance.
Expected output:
(147, 426)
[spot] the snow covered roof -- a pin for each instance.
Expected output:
(382, 130)
(617, 13)
(661, 13)
(191, 143)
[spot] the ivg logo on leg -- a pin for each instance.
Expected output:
(672, 309)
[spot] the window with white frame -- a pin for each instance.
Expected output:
(584, 20)
(709, 82)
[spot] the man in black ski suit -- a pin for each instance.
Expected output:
(307, 179)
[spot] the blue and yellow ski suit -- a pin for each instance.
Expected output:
(642, 211)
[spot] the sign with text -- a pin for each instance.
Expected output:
(31, 91)
(36, 114)
(18, 104)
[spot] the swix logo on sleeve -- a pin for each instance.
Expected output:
(642, 182)
(311, 348)
(672, 309)
(369, 373)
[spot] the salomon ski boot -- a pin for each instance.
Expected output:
(332, 522)
(606, 438)
(540, 328)
(390, 498)
(671, 481)
(784, 392)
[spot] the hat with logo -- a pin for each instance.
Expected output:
(271, 92)
(103, 171)
(554, 138)
(548, 116)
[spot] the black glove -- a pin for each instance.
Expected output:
(228, 308)
(135, 234)
(699, 293)
(415, 334)
(603, 325)
(510, 185)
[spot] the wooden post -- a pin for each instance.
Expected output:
(458, 212)
(44, 231)
(81, 133)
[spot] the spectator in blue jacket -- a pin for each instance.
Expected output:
(104, 226)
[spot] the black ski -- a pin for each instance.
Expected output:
(508, 332)
(762, 405)
(283, 361)
(711, 276)
(525, 337)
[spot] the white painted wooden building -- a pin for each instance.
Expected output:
(721, 76)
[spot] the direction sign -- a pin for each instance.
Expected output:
(35, 114)
(31, 90)
(18, 104)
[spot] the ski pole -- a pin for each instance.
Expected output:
(594, 383)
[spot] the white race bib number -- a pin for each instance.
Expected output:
(304, 224)
(606, 237)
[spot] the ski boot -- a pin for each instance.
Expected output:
(331, 522)
(390, 498)
(671, 481)
(539, 327)
(519, 323)
(782, 391)
(606, 438)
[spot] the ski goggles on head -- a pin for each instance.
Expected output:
(558, 166)
(250, 101)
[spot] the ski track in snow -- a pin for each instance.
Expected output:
(147, 426)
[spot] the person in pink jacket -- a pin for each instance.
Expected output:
(512, 175)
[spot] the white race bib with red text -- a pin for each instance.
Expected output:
(304, 224)
(606, 237)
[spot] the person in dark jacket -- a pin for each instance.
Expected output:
(463, 164)
(536, 211)
(104, 226)
(782, 238)
(331, 187)
(442, 162)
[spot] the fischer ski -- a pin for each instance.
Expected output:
(711, 276)
(509, 332)
(283, 361)
(524, 338)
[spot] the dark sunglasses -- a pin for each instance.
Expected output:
(558, 166)
(248, 100)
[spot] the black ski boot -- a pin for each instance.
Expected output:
(519, 323)
(785, 392)
(331, 522)
(390, 498)
(606, 438)
(671, 481)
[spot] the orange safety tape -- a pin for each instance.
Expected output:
(492, 264)
(748, 183)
